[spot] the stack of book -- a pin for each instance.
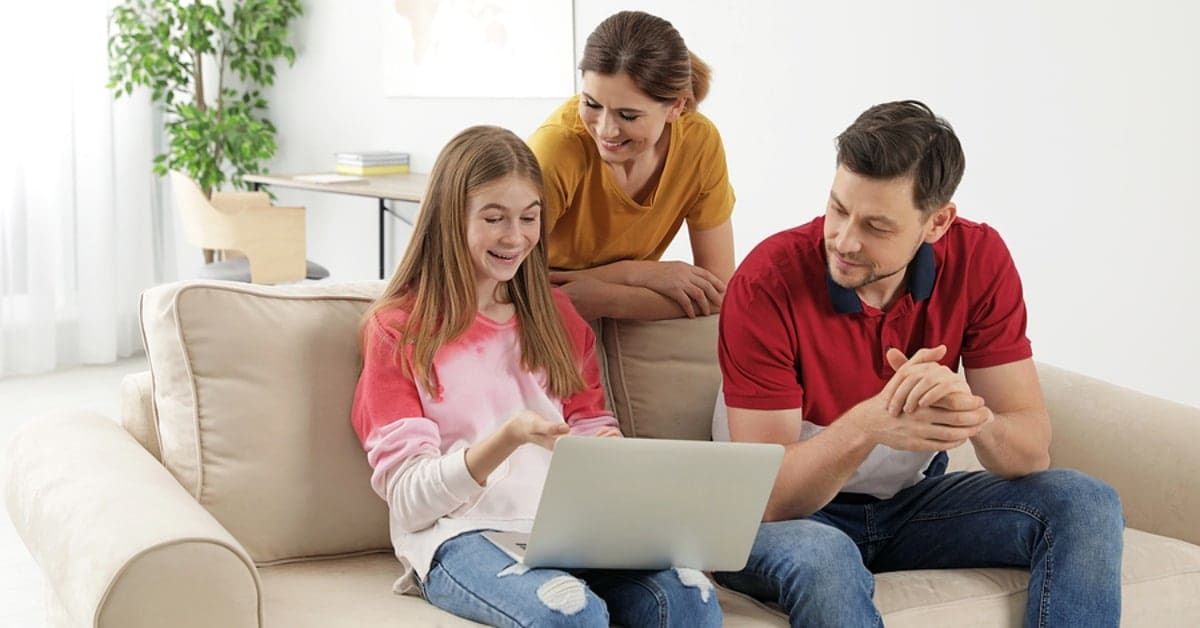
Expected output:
(369, 163)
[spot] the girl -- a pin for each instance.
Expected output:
(626, 162)
(472, 368)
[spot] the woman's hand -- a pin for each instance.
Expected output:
(590, 297)
(695, 289)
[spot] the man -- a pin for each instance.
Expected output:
(841, 338)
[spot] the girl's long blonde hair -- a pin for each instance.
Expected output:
(435, 281)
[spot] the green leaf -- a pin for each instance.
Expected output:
(157, 44)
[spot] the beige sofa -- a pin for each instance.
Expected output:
(234, 493)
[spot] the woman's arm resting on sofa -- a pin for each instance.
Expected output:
(118, 540)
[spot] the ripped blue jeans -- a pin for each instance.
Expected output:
(474, 579)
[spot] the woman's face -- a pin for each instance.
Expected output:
(624, 122)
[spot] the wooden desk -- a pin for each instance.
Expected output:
(390, 187)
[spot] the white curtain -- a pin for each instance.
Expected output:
(80, 218)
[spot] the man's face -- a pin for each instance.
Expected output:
(873, 229)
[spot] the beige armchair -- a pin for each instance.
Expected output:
(261, 243)
(234, 492)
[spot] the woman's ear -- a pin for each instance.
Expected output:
(676, 109)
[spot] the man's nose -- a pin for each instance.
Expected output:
(846, 241)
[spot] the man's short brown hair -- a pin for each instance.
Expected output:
(905, 139)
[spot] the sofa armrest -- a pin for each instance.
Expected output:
(1145, 447)
(118, 540)
(137, 411)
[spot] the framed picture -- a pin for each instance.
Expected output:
(478, 48)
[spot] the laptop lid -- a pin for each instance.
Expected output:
(644, 503)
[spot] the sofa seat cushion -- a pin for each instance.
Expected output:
(357, 592)
(1161, 588)
(344, 593)
(252, 390)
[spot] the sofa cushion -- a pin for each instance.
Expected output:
(354, 592)
(252, 393)
(1161, 579)
(663, 376)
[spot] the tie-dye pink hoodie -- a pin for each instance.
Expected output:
(415, 442)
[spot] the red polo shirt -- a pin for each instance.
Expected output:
(792, 338)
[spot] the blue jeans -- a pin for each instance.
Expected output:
(474, 579)
(1064, 526)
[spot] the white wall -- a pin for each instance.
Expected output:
(1079, 121)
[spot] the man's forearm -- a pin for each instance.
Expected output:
(815, 470)
(1014, 444)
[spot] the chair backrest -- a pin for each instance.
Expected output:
(204, 226)
(271, 238)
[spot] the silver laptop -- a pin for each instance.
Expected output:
(645, 503)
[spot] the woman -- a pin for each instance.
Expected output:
(625, 163)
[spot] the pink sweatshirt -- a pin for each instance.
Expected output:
(415, 443)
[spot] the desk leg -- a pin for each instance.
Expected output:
(382, 211)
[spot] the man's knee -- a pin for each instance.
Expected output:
(1074, 497)
(820, 556)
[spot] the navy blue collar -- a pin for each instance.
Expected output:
(922, 272)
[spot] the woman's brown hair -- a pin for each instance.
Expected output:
(435, 281)
(652, 53)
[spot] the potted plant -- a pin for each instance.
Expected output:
(217, 125)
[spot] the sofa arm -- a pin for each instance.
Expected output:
(119, 541)
(137, 411)
(1145, 447)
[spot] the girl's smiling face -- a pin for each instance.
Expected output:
(503, 225)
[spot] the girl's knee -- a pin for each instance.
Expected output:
(567, 601)
(695, 603)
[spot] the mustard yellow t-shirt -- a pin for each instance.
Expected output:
(591, 221)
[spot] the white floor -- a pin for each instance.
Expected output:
(24, 398)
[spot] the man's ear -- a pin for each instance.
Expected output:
(676, 109)
(939, 222)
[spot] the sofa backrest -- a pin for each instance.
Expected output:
(663, 379)
(252, 391)
(662, 376)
